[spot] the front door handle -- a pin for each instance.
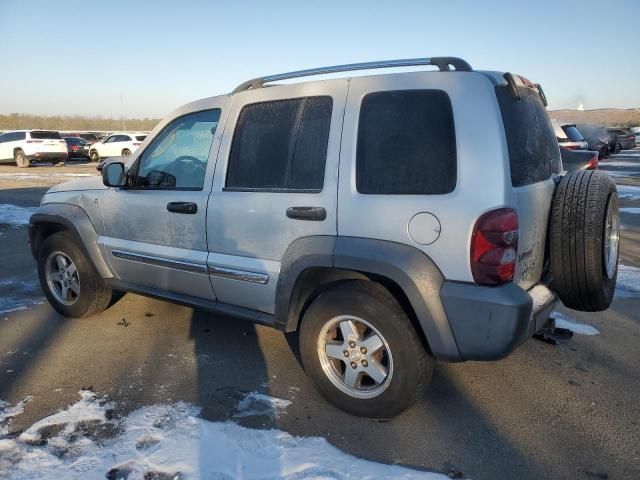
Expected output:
(315, 214)
(182, 207)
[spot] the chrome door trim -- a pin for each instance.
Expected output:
(160, 262)
(242, 275)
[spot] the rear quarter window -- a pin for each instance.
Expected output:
(533, 148)
(406, 143)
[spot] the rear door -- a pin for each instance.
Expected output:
(534, 159)
(279, 156)
(5, 148)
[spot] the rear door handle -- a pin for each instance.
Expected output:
(314, 214)
(182, 207)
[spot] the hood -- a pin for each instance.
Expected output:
(85, 183)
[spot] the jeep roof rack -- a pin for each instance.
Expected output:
(443, 63)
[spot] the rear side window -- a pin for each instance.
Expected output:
(281, 146)
(45, 135)
(531, 141)
(406, 143)
(140, 138)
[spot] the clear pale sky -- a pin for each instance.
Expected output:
(79, 57)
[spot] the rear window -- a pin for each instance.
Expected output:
(531, 141)
(406, 143)
(44, 135)
(140, 138)
(281, 146)
(573, 133)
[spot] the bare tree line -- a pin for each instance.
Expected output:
(16, 121)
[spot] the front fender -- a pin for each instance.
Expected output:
(54, 217)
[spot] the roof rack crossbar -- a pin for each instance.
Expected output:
(443, 63)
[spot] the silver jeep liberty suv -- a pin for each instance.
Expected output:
(392, 220)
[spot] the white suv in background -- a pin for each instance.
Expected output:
(116, 145)
(22, 146)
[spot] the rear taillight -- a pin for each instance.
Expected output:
(75, 147)
(494, 247)
(571, 147)
(593, 163)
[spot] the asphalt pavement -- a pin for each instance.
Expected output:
(568, 411)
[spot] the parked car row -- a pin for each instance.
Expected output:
(23, 146)
(593, 138)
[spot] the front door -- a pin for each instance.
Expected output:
(275, 182)
(156, 227)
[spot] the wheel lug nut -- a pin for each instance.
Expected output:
(363, 350)
(365, 363)
(352, 344)
(345, 353)
(354, 365)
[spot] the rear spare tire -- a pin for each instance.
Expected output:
(584, 240)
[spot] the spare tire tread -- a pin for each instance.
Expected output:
(576, 240)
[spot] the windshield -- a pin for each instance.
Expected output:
(573, 133)
(45, 135)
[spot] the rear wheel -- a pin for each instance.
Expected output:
(585, 237)
(68, 278)
(126, 152)
(361, 350)
(94, 156)
(21, 159)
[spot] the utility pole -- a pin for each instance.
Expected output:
(122, 111)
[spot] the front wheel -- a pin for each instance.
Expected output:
(618, 148)
(94, 156)
(126, 152)
(68, 279)
(361, 350)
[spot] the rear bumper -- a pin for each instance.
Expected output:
(47, 155)
(488, 323)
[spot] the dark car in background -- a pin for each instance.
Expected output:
(569, 136)
(578, 159)
(623, 139)
(77, 147)
(597, 138)
(89, 137)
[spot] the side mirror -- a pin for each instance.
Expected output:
(113, 174)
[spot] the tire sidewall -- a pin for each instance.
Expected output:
(94, 156)
(21, 159)
(64, 242)
(410, 364)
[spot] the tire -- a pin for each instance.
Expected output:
(21, 159)
(94, 156)
(92, 296)
(126, 152)
(617, 148)
(584, 270)
(408, 366)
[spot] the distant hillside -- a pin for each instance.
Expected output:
(604, 116)
(15, 121)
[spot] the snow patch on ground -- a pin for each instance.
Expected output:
(630, 210)
(15, 215)
(629, 192)
(257, 404)
(562, 321)
(606, 164)
(7, 413)
(19, 295)
(170, 441)
(628, 283)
